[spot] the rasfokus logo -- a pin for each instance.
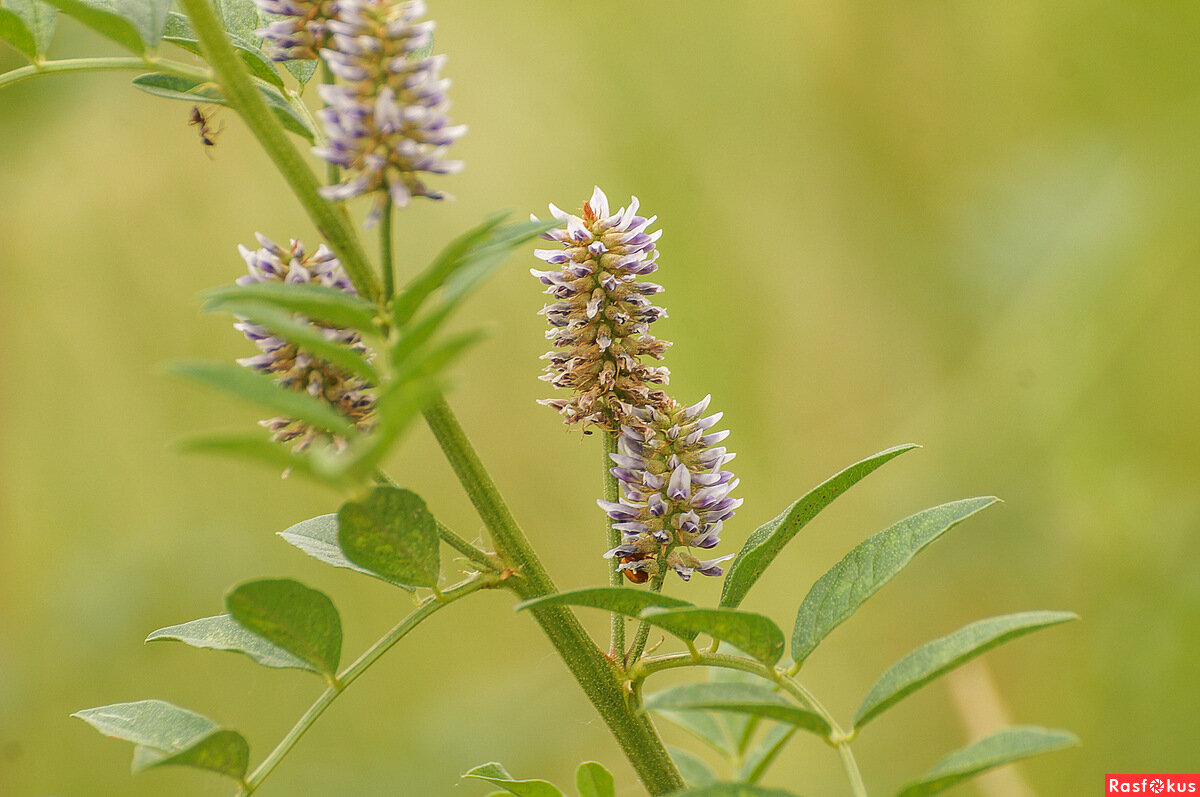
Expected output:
(1151, 784)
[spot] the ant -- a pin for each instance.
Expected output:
(208, 136)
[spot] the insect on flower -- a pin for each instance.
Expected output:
(208, 136)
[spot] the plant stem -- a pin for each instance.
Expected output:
(385, 251)
(105, 65)
(348, 676)
(643, 632)
(857, 787)
(332, 222)
(597, 675)
(611, 494)
(332, 173)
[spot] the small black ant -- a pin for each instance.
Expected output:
(208, 136)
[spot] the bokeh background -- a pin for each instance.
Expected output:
(966, 225)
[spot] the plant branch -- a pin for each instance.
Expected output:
(643, 632)
(385, 251)
(611, 494)
(104, 65)
(348, 676)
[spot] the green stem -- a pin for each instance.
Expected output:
(105, 65)
(385, 251)
(332, 173)
(643, 632)
(857, 787)
(348, 676)
(611, 494)
(332, 222)
(596, 674)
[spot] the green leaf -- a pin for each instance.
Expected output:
(173, 87)
(179, 32)
(622, 600)
(310, 338)
(222, 632)
(105, 22)
(694, 769)
(936, 658)
(318, 537)
(395, 409)
(316, 302)
(223, 751)
(303, 71)
(743, 698)
(498, 776)
(753, 633)
(732, 790)
(593, 780)
(739, 727)
(758, 760)
(1006, 746)
(391, 533)
(38, 18)
(240, 18)
(168, 734)
(705, 726)
(13, 31)
(260, 388)
(871, 564)
(302, 621)
(769, 539)
(257, 448)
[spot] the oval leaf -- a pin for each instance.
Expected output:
(732, 790)
(222, 632)
(873, 563)
(257, 448)
(317, 302)
(302, 621)
(706, 727)
(622, 600)
(1006, 746)
(742, 698)
(179, 32)
(768, 539)
(318, 537)
(222, 751)
(39, 19)
(105, 22)
(497, 775)
(391, 533)
(694, 769)
(593, 780)
(173, 87)
(14, 31)
(936, 658)
(757, 635)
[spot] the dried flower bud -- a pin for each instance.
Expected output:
(674, 492)
(386, 120)
(601, 315)
(301, 33)
(295, 368)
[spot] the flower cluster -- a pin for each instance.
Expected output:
(675, 492)
(302, 31)
(386, 120)
(601, 315)
(295, 368)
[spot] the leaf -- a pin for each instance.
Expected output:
(743, 698)
(310, 338)
(178, 31)
(302, 621)
(936, 658)
(168, 734)
(104, 22)
(395, 409)
(622, 600)
(254, 447)
(739, 727)
(769, 539)
(732, 790)
(391, 533)
(222, 632)
(303, 71)
(871, 564)
(316, 302)
(223, 751)
(38, 18)
(173, 87)
(758, 760)
(593, 780)
(753, 633)
(694, 769)
(240, 18)
(705, 726)
(1003, 747)
(498, 776)
(318, 537)
(261, 389)
(13, 31)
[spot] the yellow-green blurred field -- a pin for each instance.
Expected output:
(967, 225)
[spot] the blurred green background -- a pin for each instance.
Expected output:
(966, 225)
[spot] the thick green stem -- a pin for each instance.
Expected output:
(348, 676)
(597, 675)
(611, 494)
(104, 65)
(237, 86)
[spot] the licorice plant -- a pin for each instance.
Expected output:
(346, 362)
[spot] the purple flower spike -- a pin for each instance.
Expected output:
(601, 316)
